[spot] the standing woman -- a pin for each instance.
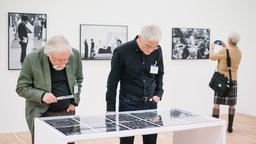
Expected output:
(235, 56)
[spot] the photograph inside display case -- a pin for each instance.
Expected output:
(124, 121)
(190, 43)
(97, 42)
(27, 32)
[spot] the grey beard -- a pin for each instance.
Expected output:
(58, 68)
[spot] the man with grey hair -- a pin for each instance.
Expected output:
(50, 80)
(138, 66)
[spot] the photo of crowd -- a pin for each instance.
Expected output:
(190, 43)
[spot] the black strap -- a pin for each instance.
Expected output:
(229, 65)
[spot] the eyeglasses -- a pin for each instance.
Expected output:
(149, 46)
(59, 60)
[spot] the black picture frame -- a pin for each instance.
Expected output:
(190, 43)
(19, 45)
(97, 42)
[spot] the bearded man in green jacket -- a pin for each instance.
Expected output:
(50, 80)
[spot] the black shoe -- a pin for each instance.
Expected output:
(215, 115)
(230, 129)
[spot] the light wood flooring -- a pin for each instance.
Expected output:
(244, 133)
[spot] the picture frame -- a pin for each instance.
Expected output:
(26, 32)
(97, 42)
(190, 43)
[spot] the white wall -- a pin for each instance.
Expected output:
(185, 82)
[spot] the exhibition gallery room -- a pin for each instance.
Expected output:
(128, 72)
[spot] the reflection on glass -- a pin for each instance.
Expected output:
(123, 121)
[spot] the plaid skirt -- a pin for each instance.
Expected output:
(228, 100)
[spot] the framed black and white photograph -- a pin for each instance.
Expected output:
(97, 42)
(26, 32)
(190, 43)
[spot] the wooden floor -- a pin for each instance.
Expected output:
(244, 133)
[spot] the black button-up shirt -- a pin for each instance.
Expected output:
(131, 67)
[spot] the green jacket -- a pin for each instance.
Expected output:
(35, 79)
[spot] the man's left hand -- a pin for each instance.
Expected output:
(155, 98)
(71, 108)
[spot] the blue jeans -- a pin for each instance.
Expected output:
(129, 104)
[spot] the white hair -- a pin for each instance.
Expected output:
(151, 32)
(234, 37)
(57, 43)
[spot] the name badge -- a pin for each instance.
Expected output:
(154, 69)
(75, 89)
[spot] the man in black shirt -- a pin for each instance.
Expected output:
(138, 66)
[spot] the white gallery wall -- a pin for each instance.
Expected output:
(185, 81)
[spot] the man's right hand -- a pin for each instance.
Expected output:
(49, 98)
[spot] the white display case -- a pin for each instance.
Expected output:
(187, 127)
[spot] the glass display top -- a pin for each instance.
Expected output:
(122, 121)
